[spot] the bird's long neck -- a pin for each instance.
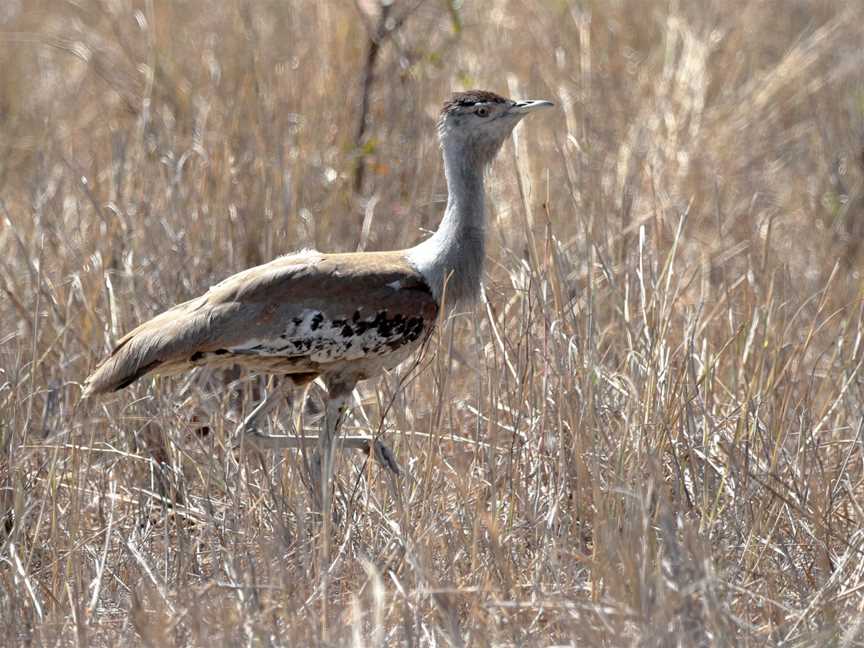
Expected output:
(451, 259)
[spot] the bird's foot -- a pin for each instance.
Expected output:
(383, 455)
(261, 441)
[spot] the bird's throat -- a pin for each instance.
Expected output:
(452, 258)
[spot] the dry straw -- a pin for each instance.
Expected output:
(647, 432)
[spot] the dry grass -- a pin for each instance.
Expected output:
(649, 433)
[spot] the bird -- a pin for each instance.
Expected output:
(338, 317)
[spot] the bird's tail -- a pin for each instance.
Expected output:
(168, 343)
(156, 344)
(135, 356)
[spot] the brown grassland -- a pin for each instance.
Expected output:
(650, 431)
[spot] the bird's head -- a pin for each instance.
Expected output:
(477, 122)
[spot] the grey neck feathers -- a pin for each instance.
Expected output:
(451, 260)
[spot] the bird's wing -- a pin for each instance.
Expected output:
(315, 308)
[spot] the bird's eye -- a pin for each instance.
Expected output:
(482, 111)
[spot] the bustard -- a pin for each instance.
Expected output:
(341, 317)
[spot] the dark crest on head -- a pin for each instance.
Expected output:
(469, 98)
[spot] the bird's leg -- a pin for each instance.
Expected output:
(339, 394)
(250, 424)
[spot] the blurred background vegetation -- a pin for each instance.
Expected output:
(648, 432)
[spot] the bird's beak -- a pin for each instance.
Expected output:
(529, 105)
